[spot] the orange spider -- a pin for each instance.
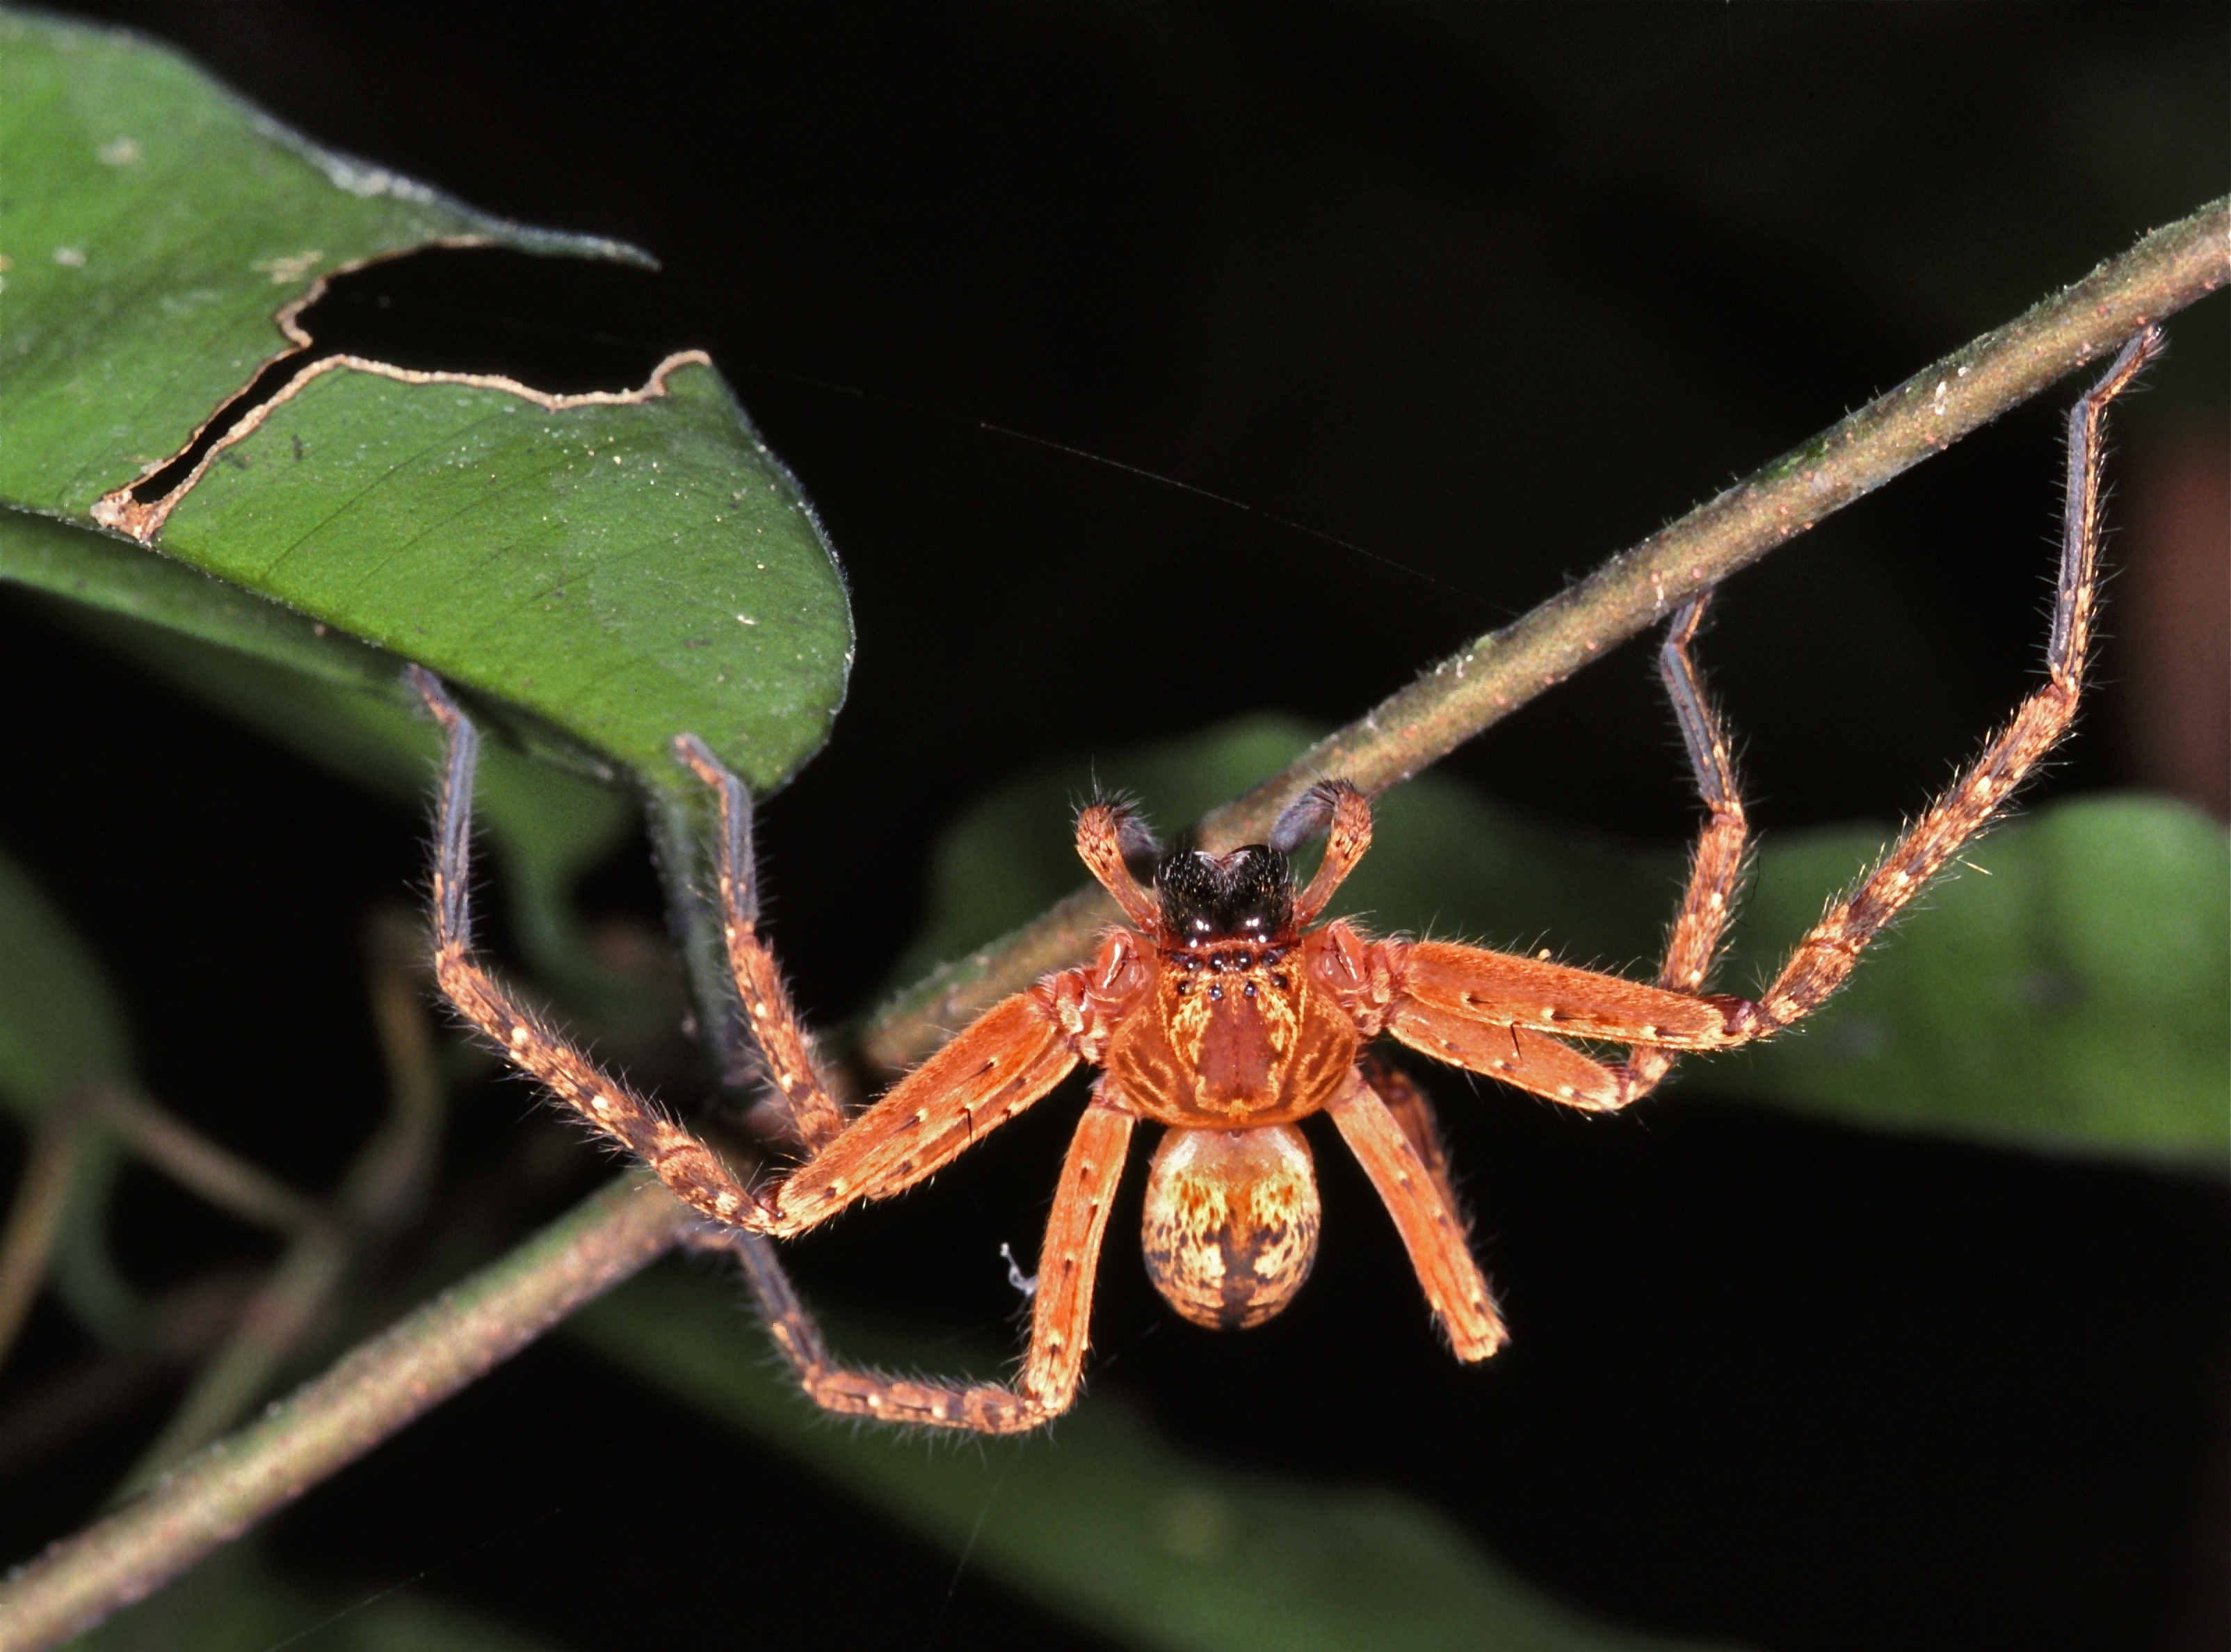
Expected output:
(1222, 1014)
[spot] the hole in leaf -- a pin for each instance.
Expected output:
(562, 326)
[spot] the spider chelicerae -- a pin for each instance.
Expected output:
(1227, 1012)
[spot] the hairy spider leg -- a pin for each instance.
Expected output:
(693, 1170)
(1432, 1225)
(1474, 1008)
(1006, 1059)
(1715, 867)
(779, 1035)
(1821, 961)
(1415, 1114)
(1010, 1057)
(1489, 1011)
(1061, 1312)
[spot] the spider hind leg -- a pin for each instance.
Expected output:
(1414, 1188)
(1053, 1366)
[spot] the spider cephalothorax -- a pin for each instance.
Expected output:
(1227, 1012)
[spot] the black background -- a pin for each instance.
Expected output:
(1490, 294)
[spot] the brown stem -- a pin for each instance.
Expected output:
(437, 1349)
(183, 1327)
(1482, 683)
(194, 1162)
(35, 1217)
(399, 1375)
(384, 1185)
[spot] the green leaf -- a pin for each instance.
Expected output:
(622, 569)
(60, 1028)
(2076, 998)
(61, 1032)
(155, 225)
(627, 572)
(1100, 1520)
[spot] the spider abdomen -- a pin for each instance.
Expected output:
(1231, 1227)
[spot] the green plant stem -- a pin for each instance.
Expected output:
(196, 1163)
(35, 1217)
(432, 1354)
(1481, 684)
(406, 1370)
(384, 1187)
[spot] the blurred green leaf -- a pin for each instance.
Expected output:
(2079, 995)
(60, 1028)
(234, 1602)
(2076, 998)
(1097, 1519)
(622, 571)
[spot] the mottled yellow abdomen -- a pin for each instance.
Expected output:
(1231, 1219)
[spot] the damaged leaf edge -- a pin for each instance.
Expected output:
(118, 511)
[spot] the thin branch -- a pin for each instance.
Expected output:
(437, 1349)
(35, 1217)
(287, 1307)
(1481, 684)
(399, 1375)
(385, 1184)
(183, 1326)
(197, 1163)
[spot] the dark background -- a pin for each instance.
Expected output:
(1488, 293)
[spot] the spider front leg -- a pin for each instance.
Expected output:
(1826, 956)
(690, 1169)
(1503, 1015)
(785, 1049)
(1716, 868)
(1006, 1059)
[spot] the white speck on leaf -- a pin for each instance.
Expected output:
(284, 272)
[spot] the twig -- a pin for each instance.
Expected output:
(197, 1163)
(435, 1352)
(35, 1217)
(1480, 685)
(401, 1374)
(89, 1117)
(183, 1326)
(384, 1186)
